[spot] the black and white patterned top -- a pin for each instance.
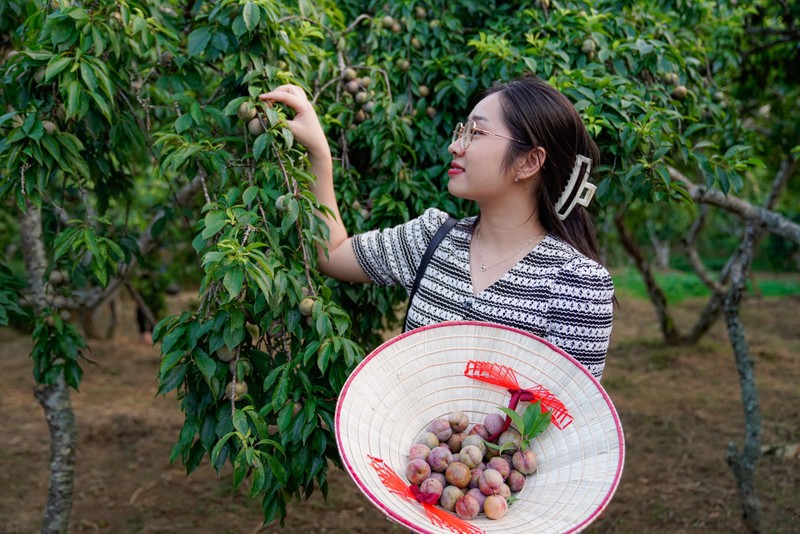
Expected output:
(554, 292)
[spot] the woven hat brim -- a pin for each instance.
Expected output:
(419, 376)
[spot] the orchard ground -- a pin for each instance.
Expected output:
(680, 407)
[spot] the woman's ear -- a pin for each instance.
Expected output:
(532, 163)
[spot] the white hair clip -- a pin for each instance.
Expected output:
(578, 190)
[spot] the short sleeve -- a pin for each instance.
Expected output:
(392, 256)
(580, 313)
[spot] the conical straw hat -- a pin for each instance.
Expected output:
(420, 375)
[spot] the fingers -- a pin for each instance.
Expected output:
(290, 95)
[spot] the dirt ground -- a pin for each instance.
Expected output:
(680, 407)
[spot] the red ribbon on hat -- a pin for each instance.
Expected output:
(503, 376)
(438, 516)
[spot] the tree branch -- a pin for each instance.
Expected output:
(147, 242)
(773, 222)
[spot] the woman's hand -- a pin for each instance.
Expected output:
(305, 125)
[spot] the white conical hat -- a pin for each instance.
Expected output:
(420, 375)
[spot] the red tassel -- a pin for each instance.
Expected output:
(438, 516)
(503, 376)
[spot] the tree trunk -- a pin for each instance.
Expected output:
(719, 288)
(54, 398)
(661, 248)
(668, 329)
(743, 463)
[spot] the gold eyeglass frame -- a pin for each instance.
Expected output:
(461, 129)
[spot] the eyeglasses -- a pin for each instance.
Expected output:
(465, 132)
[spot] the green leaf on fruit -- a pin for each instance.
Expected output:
(536, 420)
(516, 419)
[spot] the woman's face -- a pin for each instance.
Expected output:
(476, 173)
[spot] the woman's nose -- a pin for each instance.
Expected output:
(455, 147)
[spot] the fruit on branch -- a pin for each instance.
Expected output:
(350, 74)
(247, 111)
(306, 306)
(388, 22)
(225, 354)
(431, 111)
(423, 90)
(670, 78)
(680, 92)
(281, 203)
(588, 46)
(362, 97)
(255, 126)
(360, 116)
(246, 365)
(352, 87)
(237, 391)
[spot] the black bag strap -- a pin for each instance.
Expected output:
(426, 258)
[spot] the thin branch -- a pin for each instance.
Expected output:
(147, 242)
(773, 222)
(148, 313)
(292, 186)
(694, 257)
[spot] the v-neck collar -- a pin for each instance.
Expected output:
(466, 245)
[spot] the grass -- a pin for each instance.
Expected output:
(682, 285)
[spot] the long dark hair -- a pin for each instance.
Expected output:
(540, 116)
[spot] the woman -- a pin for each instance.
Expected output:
(529, 260)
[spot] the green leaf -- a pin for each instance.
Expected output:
(218, 447)
(251, 15)
(277, 468)
(55, 66)
(240, 467)
(233, 281)
(206, 365)
(88, 76)
(169, 360)
(259, 145)
(198, 40)
(261, 426)
(183, 123)
(240, 422)
(77, 13)
(215, 221)
(258, 478)
(536, 421)
(173, 379)
(516, 419)
(249, 195)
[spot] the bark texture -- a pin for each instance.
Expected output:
(57, 405)
(743, 463)
(54, 398)
(773, 222)
(667, 324)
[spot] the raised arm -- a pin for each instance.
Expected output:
(341, 262)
